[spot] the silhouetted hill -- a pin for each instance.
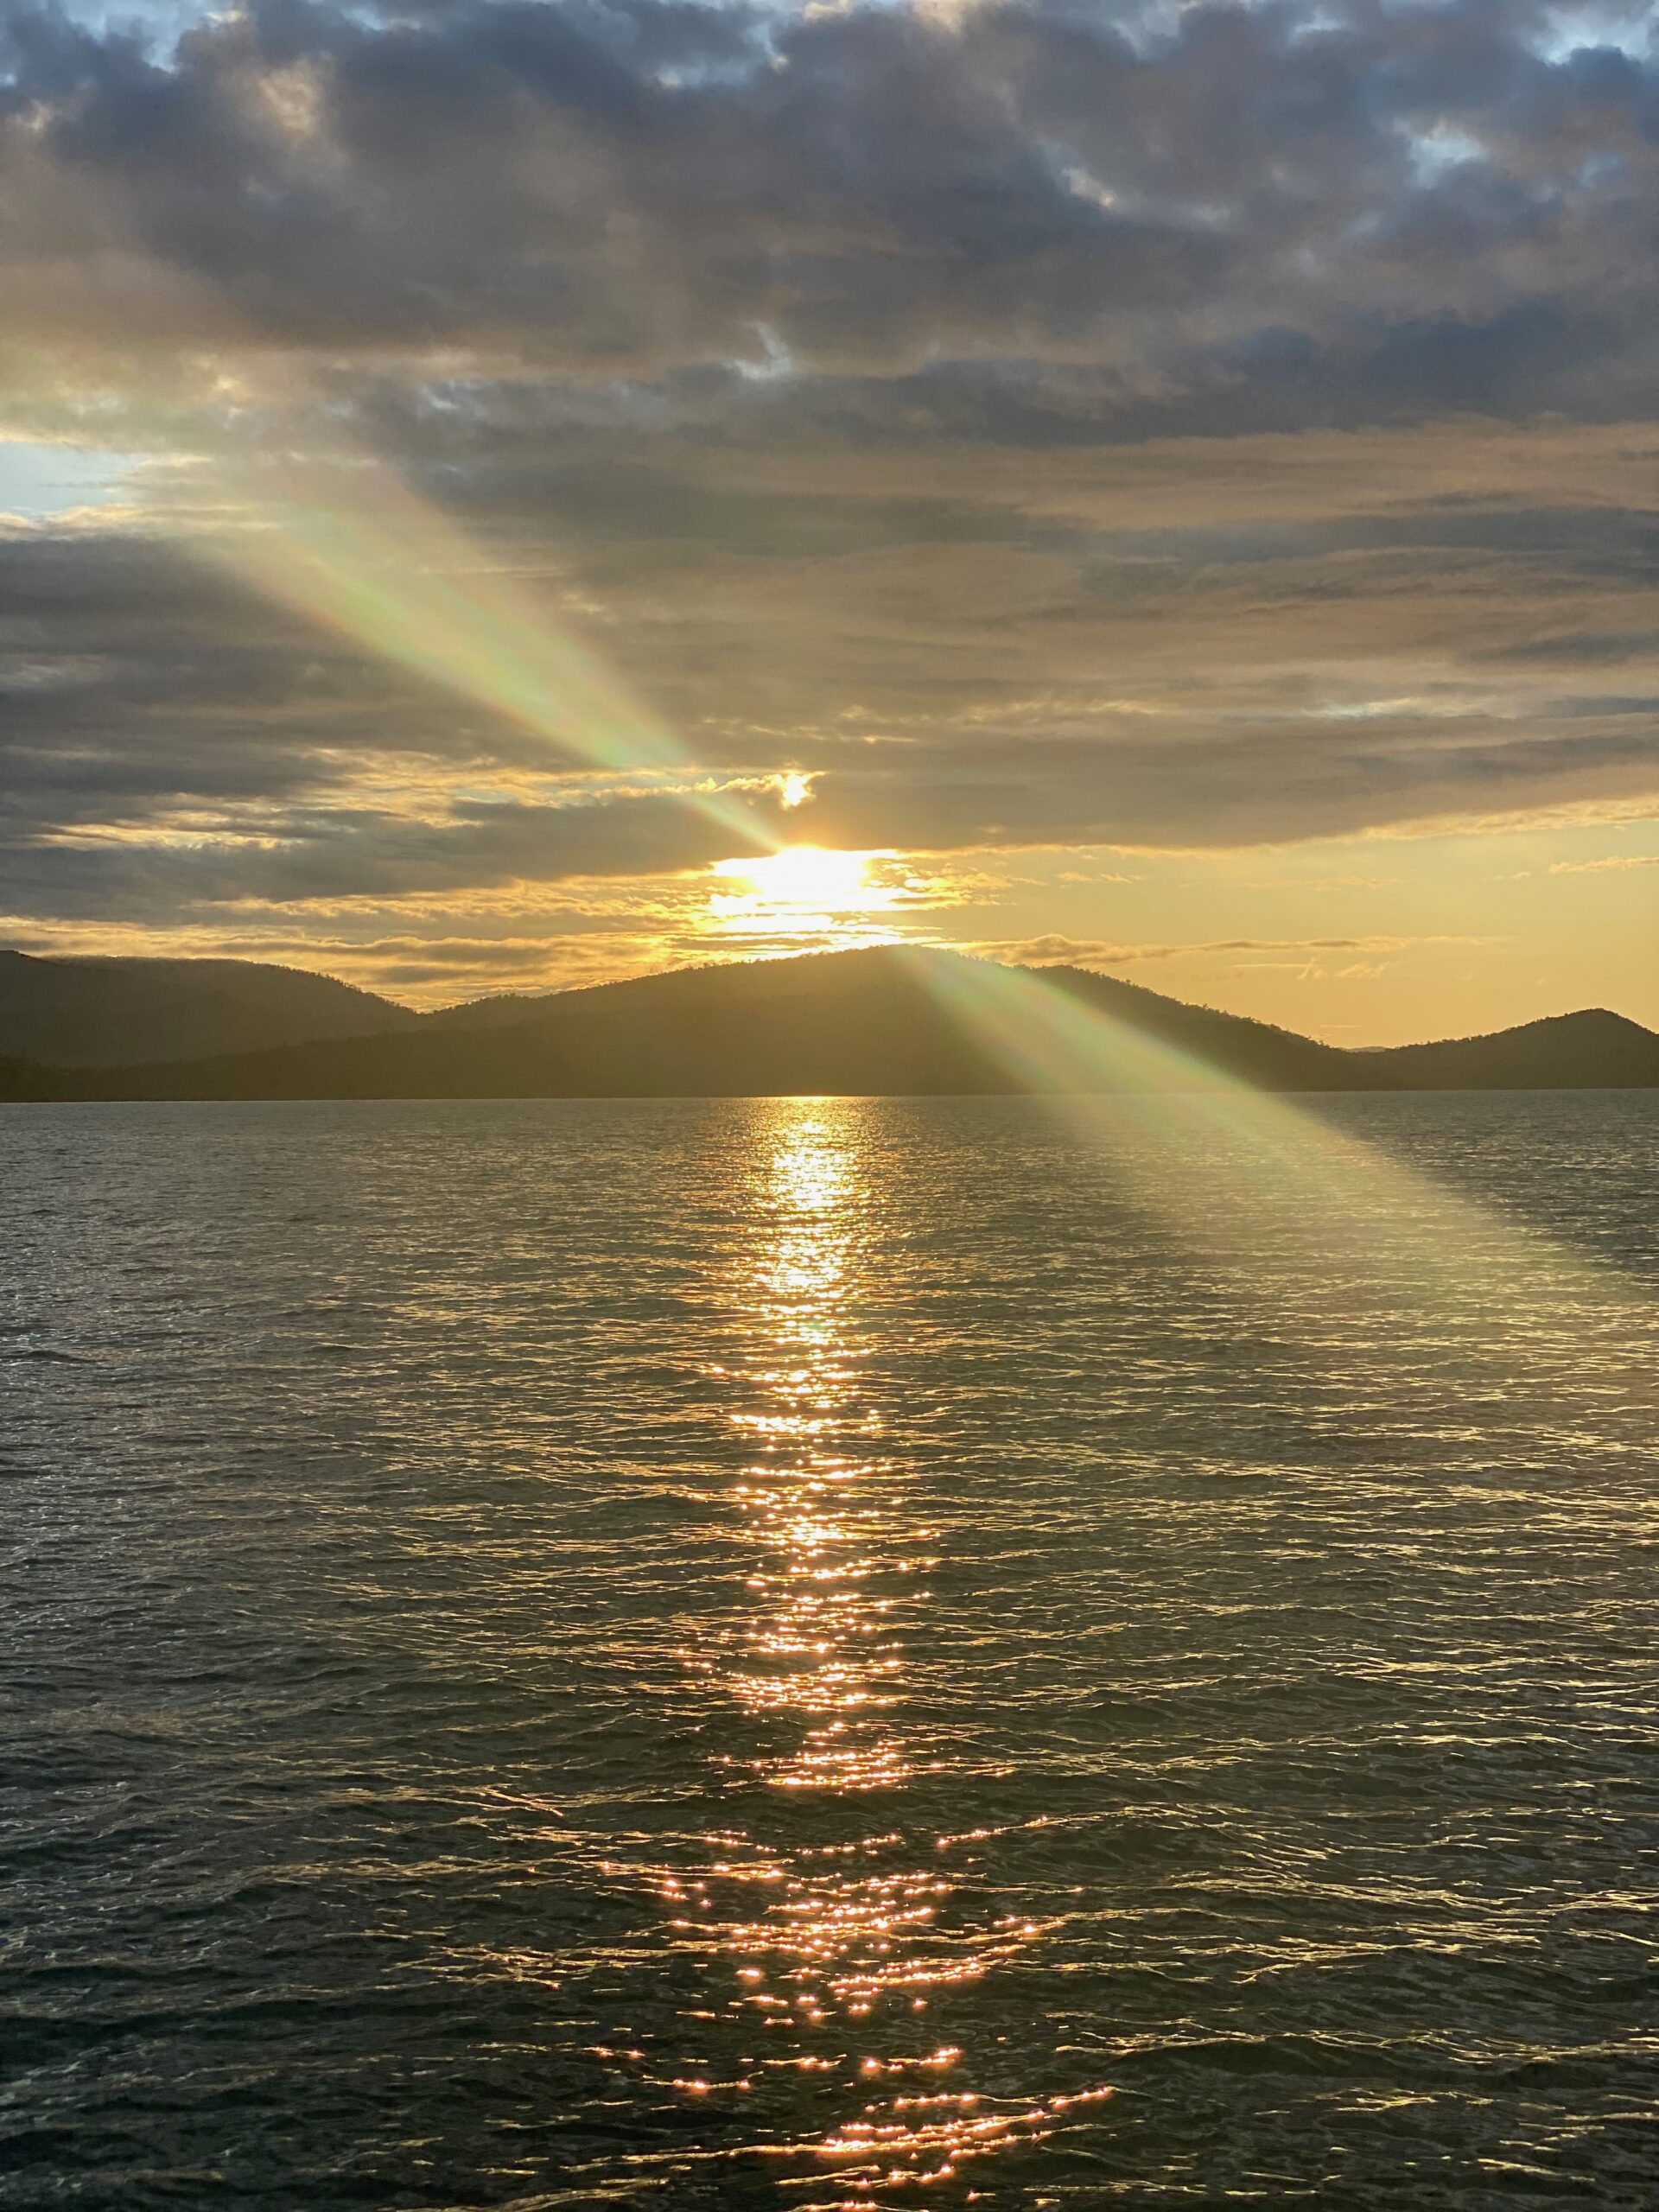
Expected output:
(854, 1023)
(501, 1009)
(113, 1012)
(1593, 1049)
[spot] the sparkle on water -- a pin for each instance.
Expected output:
(852, 1929)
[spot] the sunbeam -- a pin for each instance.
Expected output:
(344, 541)
(1266, 1161)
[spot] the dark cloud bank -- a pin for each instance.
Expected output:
(1058, 423)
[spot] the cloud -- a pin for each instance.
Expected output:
(335, 855)
(1596, 868)
(1267, 215)
(1033, 429)
(1054, 949)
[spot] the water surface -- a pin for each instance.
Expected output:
(817, 1653)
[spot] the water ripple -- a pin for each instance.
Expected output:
(824, 1654)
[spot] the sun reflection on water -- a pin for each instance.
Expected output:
(822, 1647)
(844, 1929)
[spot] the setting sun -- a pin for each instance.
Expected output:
(802, 884)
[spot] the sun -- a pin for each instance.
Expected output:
(807, 878)
(802, 887)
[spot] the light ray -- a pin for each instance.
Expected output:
(1228, 1161)
(344, 541)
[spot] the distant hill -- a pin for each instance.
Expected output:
(1592, 1049)
(864, 1023)
(111, 1013)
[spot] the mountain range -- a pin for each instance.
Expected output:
(869, 1022)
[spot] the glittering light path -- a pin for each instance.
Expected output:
(861, 1936)
(840, 1911)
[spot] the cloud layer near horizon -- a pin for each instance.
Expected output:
(1043, 425)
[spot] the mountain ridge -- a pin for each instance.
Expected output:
(113, 1010)
(862, 1022)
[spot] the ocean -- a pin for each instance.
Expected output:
(810, 1653)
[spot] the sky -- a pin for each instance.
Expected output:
(501, 496)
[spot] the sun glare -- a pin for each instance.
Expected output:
(802, 888)
(803, 876)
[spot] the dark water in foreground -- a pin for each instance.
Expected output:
(815, 1653)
